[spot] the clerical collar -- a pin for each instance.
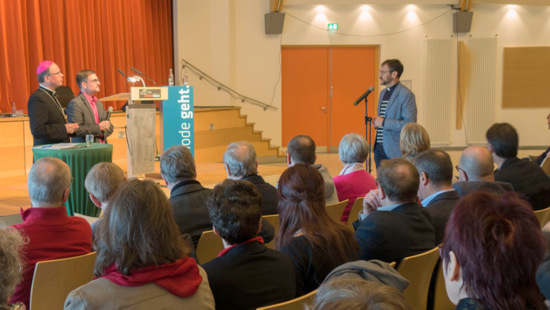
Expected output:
(389, 89)
(47, 89)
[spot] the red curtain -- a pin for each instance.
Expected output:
(101, 35)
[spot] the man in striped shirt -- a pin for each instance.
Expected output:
(396, 108)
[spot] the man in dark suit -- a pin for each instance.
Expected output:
(435, 191)
(245, 275)
(392, 225)
(87, 111)
(188, 197)
(46, 116)
(241, 162)
(526, 177)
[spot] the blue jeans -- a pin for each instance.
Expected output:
(379, 155)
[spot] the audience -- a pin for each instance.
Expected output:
(414, 140)
(141, 257)
(314, 241)
(246, 275)
(476, 172)
(546, 153)
(11, 243)
(354, 181)
(102, 181)
(526, 177)
(344, 294)
(543, 271)
(491, 251)
(301, 150)
(435, 190)
(240, 161)
(392, 225)
(49, 231)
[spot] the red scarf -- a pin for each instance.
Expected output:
(180, 278)
(259, 239)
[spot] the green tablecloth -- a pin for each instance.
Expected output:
(80, 160)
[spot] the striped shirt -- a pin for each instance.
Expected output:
(383, 106)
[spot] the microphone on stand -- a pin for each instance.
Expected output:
(139, 72)
(120, 71)
(363, 96)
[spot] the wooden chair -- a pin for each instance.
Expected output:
(543, 216)
(354, 212)
(294, 304)
(441, 299)
(336, 210)
(209, 246)
(275, 221)
(418, 269)
(54, 279)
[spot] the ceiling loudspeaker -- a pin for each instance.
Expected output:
(462, 21)
(274, 22)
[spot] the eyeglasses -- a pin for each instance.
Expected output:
(93, 81)
(57, 73)
(458, 168)
(385, 71)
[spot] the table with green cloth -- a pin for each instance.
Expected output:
(80, 160)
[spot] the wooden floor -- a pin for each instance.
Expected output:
(13, 190)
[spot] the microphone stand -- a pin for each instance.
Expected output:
(368, 128)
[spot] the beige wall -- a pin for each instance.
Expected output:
(226, 39)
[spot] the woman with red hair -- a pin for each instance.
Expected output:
(491, 251)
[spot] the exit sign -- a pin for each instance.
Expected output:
(332, 27)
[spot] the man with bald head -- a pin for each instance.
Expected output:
(46, 115)
(49, 231)
(476, 172)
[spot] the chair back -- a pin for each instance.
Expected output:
(275, 221)
(441, 299)
(208, 247)
(354, 212)
(543, 216)
(293, 304)
(336, 210)
(54, 279)
(418, 269)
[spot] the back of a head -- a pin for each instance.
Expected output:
(48, 179)
(302, 150)
(344, 294)
(498, 245)
(504, 139)
(11, 243)
(414, 140)
(437, 165)
(353, 149)
(399, 179)
(241, 159)
(177, 164)
(235, 210)
(394, 65)
(103, 180)
(477, 162)
(138, 229)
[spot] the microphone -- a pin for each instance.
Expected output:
(109, 111)
(139, 72)
(120, 71)
(363, 96)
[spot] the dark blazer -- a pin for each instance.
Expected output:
(250, 276)
(46, 120)
(390, 236)
(440, 209)
(466, 187)
(527, 178)
(188, 199)
(80, 111)
(269, 194)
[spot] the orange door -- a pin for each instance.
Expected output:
(310, 75)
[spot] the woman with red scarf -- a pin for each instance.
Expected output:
(142, 261)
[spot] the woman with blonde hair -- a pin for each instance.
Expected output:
(413, 141)
(11, 243)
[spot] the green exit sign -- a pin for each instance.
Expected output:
(332, 27)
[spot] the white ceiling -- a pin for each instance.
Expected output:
(455, 2)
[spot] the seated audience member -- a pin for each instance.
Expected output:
(245, 275)
(414, 139)
(11, 243)
(101, 182)
(142, 261)
(435, 190)
(392, 225)
(50, 233)
(301, 150)
(491, 251)
(354, 181)
(344, 294)
(241, 163)
(314, 241)
(546, 153)
(526, 177)
(543, 271)
(476, 172)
